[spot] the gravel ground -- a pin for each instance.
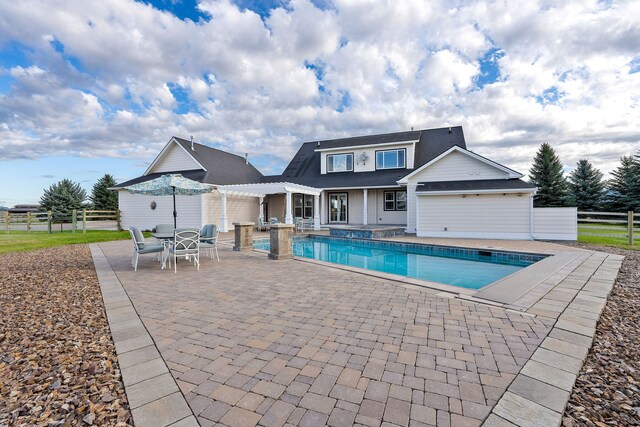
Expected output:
(606, 391)
(58, 364)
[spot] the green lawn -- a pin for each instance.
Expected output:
(620, 242)
(18, 241)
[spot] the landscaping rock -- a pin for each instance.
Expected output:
(606, 392)
(58, 364)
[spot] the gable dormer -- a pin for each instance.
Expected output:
(367, 158)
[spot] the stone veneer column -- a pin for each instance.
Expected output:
(281, 241)
(243, 236)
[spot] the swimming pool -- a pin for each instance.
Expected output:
(463, 267)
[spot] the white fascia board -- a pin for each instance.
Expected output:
(357, 147)
(472, 192)
(511, 173)
(164, 151)
(362, 188)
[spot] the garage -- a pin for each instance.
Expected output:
(482, 214)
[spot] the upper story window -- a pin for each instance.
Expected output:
(339, 162)
(391, 159)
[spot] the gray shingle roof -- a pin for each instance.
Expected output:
(481, 184)
(223, 168)
(304, 168)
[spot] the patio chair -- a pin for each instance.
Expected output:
(186, 243)
(141, 248)
(209, 240)
(261, 225)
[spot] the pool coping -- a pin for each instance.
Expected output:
(517, 291)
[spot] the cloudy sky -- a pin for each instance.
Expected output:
(88, 88)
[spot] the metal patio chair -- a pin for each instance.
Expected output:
(141, 248)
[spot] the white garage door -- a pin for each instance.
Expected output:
(488, 216)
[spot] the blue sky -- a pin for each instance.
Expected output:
(96, 88)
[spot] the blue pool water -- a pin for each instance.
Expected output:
(467, 268)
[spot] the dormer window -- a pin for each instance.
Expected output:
(340, 162)
(391, 159)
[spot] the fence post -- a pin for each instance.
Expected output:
(7, 218)
(28, 221)
(84, 220)
(74, 220)
(49, 217)
(118, 219)
(630, 226)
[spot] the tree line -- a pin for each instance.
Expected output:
(585, 187)
(64, 196)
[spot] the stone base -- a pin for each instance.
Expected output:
(280, 256)
(243, 236)
(281, 241)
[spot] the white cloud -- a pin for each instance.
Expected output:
(264, 84)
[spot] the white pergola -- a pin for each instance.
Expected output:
(263, 189)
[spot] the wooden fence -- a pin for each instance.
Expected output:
(41, 221)
(610, 224)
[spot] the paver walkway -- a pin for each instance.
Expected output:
(254, 341)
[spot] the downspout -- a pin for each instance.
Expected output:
(531, 216)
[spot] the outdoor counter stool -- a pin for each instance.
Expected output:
(141, 248)
(185, 243)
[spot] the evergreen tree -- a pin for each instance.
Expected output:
(621, 197)
(634, 199)
(61, 198)
(546, 174)
(102, 198)
(586, 188)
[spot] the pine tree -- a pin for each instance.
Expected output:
(546, 174)
(61, 198)
(102, 198)
(621, 197)
(586, 188)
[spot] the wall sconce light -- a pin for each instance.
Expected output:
(153, 205)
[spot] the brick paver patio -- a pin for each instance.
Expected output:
(254, 341)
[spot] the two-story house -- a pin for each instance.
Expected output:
(425, 180)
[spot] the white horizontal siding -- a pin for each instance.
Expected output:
(484, 216)
(136, 210)
(376, 213)
(370, 163)
(239, 209)
(555, 223)
(457, 166)
(175, 159)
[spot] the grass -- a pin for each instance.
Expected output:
(620, 242)
(20, 241)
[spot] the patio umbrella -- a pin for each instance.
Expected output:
(170, 185)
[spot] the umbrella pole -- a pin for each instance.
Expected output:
(175, 214)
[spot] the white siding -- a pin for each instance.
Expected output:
(457, 166)
(494, 216)
(175, 159)
(136, 210)
(239, 209)
(376, 213)
(555, 223)
(370, 164)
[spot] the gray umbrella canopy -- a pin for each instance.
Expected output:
(170, 185)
